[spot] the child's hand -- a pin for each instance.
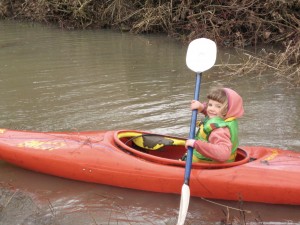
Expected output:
(189, 143)
(197, 105)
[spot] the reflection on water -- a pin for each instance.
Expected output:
(94, 80)
(40, 199)
(53, 80)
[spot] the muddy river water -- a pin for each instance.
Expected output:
(57, 80)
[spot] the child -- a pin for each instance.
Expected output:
(217, 137)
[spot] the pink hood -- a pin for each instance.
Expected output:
(235, 104)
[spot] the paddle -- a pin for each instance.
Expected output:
(201, 56)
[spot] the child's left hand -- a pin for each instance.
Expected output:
(189, 143)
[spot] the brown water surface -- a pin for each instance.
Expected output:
(56, 80)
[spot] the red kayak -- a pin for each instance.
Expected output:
(150, 162)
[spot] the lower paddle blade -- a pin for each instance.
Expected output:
(184, 204)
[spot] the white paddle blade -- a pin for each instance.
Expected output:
(184, 204)
(201, 55)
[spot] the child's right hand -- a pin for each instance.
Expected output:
(190, 143)
(197, 105)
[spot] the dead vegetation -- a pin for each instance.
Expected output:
(232, 23)
(283, 65)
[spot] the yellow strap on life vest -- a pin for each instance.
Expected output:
(230, 119)
(202, 133)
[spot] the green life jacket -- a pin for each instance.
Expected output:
(209, 125)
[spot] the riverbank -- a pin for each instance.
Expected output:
(242, 25)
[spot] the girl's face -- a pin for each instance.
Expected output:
(214, 109)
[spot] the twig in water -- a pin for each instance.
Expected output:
(243, 210)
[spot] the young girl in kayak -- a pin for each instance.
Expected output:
(217, 137)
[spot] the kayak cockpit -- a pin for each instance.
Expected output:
(164, 149)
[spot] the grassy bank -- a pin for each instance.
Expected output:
(231, 23)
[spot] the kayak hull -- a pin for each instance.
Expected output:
(259, 174)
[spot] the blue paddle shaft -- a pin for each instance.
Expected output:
(192, 134)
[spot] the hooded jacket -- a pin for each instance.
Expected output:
(219, 147)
